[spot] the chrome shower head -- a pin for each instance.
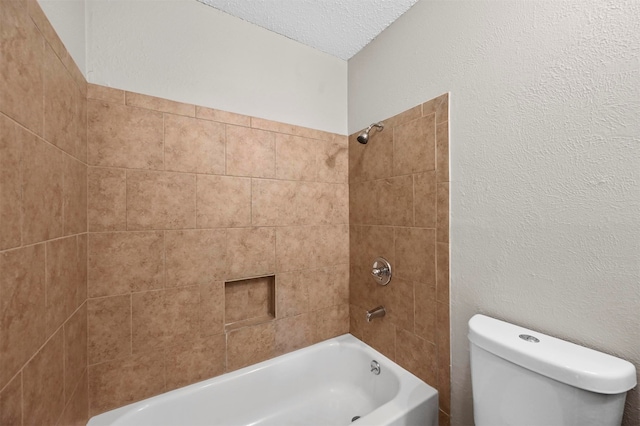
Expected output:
(363, 137)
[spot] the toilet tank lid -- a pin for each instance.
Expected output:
(557, 359)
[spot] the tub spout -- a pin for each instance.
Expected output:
(376, 313)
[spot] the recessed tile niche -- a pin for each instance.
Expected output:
(249, 301)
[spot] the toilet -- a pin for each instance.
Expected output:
(522, 377)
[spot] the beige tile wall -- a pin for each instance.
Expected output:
(399, 209)
(43, 224)
(183, 198)
(177, 200)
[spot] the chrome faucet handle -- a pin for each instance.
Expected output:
(381, 271)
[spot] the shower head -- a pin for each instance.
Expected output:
(363, 137)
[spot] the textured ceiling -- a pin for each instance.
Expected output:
(337, 27)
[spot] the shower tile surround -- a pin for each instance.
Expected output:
(43, 224)
(116, 244)
(215, 241)
(399, 209)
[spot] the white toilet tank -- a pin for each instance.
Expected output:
(522, 377)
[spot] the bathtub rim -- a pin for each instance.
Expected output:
(411, 394)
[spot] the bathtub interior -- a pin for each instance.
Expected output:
(329, 383)
(315, 406)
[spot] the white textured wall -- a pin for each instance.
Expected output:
(68, 18)
(186, 51)
(545, 161)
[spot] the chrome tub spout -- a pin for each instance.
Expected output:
(378, 312)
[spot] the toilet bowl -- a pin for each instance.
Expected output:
(522, 377)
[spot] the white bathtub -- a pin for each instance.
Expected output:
(329, 383)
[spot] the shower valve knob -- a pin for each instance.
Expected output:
(381, 271)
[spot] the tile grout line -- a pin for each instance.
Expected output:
(41, 138)
(130, 325)
(64, 369)
(164, 147)
(164, 260)
(43, 64)
(46, 280)
(190, 173)
(22, 179)
(12, 378)
(21, 396)
(413, 195)
(41, 347)
(126, 203)
(195, 195)
(226, 141)
(64, 179)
